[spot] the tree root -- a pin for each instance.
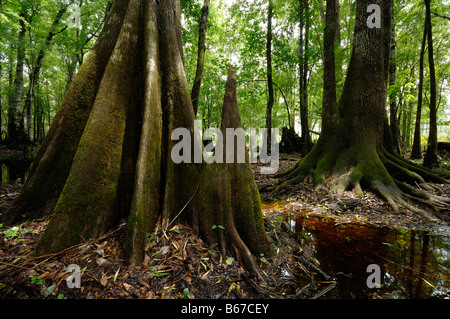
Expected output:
(397, 181)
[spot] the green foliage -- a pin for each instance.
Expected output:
(236, 34)
(67, 50)
(229, 261)
(36, 280)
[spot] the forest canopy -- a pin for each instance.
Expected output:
(236, 33)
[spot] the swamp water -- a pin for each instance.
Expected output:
(413, 264)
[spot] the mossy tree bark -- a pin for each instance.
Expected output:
(120, 165)
(351, 152)
(54, 159)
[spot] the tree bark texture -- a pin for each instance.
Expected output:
(121, 165)
(195, 93)
(353, 155)
(53, 161)
(270, 100)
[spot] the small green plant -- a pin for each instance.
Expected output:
(11, 232)
(156, 272)
(175, 229)
(218, 226)
(263, 259)
(150, 240)
(15, 231)
(212, 253)
(36, 280)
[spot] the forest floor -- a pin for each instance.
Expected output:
(178, 264)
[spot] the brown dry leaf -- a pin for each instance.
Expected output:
(104, 279)
(102, 245)
(127, 286)
(53, 264)
(165, 250)
(31, 272)
(101, 261)
(146, 262)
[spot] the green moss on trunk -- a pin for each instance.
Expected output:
(86, 205)
(146, 196)
(53, 161)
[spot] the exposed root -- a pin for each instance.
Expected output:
(397, 181)
(349, 180)
(397, 198)
(425, 173)
(242, 251)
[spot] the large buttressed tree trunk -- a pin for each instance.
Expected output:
(350, 153)
(116, 125)
(52, 164)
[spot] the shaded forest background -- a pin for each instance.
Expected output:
(40, 54)
(278, 50)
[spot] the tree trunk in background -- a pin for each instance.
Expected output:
(330, 110)
(350, 154)
(53, 161)
(416, 152)
(16, 130)
(195, 93)
(430, 159)
(36, 70)
(393, 106)
(121, 169)
(1, 106)
(270, 100)
(306, 137)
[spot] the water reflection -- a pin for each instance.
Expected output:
(14, 169)
(414, 264)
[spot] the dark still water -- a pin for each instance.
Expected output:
(412, 264)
